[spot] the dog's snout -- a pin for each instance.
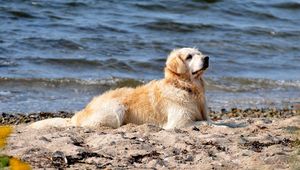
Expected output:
(205, 62)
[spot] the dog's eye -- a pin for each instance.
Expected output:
(189, 57)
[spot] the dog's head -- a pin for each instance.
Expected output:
(187, 62)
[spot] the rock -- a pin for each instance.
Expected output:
(196, 129)
(234, 110)
(59, 160)
(224, 111)
(189, 158)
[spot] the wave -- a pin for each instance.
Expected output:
(175, 26)
(257, 12)
(180, 6)
(208, 1)
(7, 63)
(105, 64)
(153, 7)
(76, 4)
(226, 84)
(55, 43)
(83, 63)
(287, 5)
(264, 31)
(71, 82)
(67, 62)
(239, 84)
(21, 14)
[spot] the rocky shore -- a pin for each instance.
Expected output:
(21, 118)
(258, 139)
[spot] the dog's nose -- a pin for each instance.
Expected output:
(206, 59)
(205, 62)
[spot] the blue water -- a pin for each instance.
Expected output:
(56, 55)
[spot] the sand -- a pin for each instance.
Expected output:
(252, 143)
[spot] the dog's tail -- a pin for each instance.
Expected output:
(53, 122)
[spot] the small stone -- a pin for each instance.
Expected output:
(189, 158)
(176, 151)
(246, 153)
(59, 159)
(44, 139)
(234, 110)
(86, 130)
(223, 110)
(195, 128)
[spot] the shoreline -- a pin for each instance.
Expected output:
(25, 118)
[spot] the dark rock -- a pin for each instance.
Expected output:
(234, 110)
(59, 160)
(77, 141)
(45, 139)
(176, 151)
(196, 129)
(137, 158)
(224, 111)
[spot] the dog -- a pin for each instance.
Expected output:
(176, 101)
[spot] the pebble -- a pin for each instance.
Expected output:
(59, 159)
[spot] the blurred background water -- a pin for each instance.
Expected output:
(56, 55)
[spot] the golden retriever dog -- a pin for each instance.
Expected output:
(176, 101)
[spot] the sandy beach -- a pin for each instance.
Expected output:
(256, 139)
(56, 56)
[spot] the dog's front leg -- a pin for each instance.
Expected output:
(177, 118)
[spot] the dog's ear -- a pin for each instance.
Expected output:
(175, 63)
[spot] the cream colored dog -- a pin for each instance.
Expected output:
(176, 101)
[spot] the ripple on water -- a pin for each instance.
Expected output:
(176, 26)
(287, 5)
(45, 43)
(21, 14)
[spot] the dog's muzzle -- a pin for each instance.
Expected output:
(204, 66)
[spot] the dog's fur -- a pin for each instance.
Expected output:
(176, 101)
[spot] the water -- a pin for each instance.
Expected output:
(56, 55)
